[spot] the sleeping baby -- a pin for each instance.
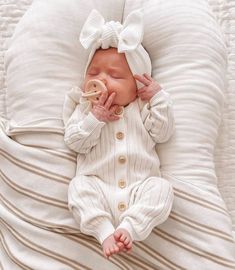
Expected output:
(118, 195)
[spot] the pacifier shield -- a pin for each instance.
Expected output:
(93, 90)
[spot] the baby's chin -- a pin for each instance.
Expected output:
(123, 103)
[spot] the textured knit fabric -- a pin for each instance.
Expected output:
(123, 152)
(127, 38)
(36, 229)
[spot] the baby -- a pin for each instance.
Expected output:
(118, 195)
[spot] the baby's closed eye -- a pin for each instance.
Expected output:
(93, 71)
(116, 75)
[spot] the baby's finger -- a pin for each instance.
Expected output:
(109, 101)
(148, 77)
(113, 108)
(113, 117)
(102, 98)
(143, 96)
(142, 92)
(142, 79)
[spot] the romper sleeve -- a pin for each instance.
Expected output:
(157, 116)
(82, 131)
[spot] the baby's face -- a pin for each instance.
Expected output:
(112, 69)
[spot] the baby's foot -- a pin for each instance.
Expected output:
(110, 246)
(122, 236)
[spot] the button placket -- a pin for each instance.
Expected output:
(121, 165)
(122, 206)
(122, 183)
(122, 159)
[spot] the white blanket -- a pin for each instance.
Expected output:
(36, 181)
(225, 148)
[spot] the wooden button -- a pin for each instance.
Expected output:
(119, 110)
(122, 183)
(120, 135)
(122, 159)
(122, 206)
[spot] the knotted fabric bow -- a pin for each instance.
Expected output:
(127, 38)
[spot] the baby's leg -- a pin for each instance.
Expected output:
(149, 206)
(90, 209)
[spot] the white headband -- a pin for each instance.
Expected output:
(126, 38)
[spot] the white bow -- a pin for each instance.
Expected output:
(126, 37)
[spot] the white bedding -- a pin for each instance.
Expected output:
(225, 148)
(10, 13)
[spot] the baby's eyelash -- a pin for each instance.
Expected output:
(117, 76)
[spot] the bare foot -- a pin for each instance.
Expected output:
(122, 236)
(110, 246)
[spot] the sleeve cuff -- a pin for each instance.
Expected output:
(92, 123)
(160, 97)
(103, 230)
(127, 226)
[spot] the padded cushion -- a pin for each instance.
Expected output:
(45, 59)
(189, 60)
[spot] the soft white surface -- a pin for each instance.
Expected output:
(11, 12)
(190, 63)
(207, 195)
(41, 70)
(225, 146)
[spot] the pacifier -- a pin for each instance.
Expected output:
(93, 90)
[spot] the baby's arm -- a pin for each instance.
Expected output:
(82, 134)
(82, 131)
(157, 114)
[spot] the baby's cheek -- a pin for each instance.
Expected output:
(112, 87)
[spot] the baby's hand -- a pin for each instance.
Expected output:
(150, 87)
(103, 110)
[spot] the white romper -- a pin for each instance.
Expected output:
(118, 182)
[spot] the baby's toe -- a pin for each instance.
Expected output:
(120, 246)
(115, 249)
(117, 235)
(129, 246)
(107, 252)
(123, 238)
(127, 241)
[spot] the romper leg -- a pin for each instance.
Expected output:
(149, 206)
(89, 207)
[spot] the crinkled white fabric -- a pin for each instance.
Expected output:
(50, 62)
(11, 12)
(94, 194)
(126, 37)
(34, 213)
(225, 145)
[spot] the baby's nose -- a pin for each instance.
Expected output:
(103, 78)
